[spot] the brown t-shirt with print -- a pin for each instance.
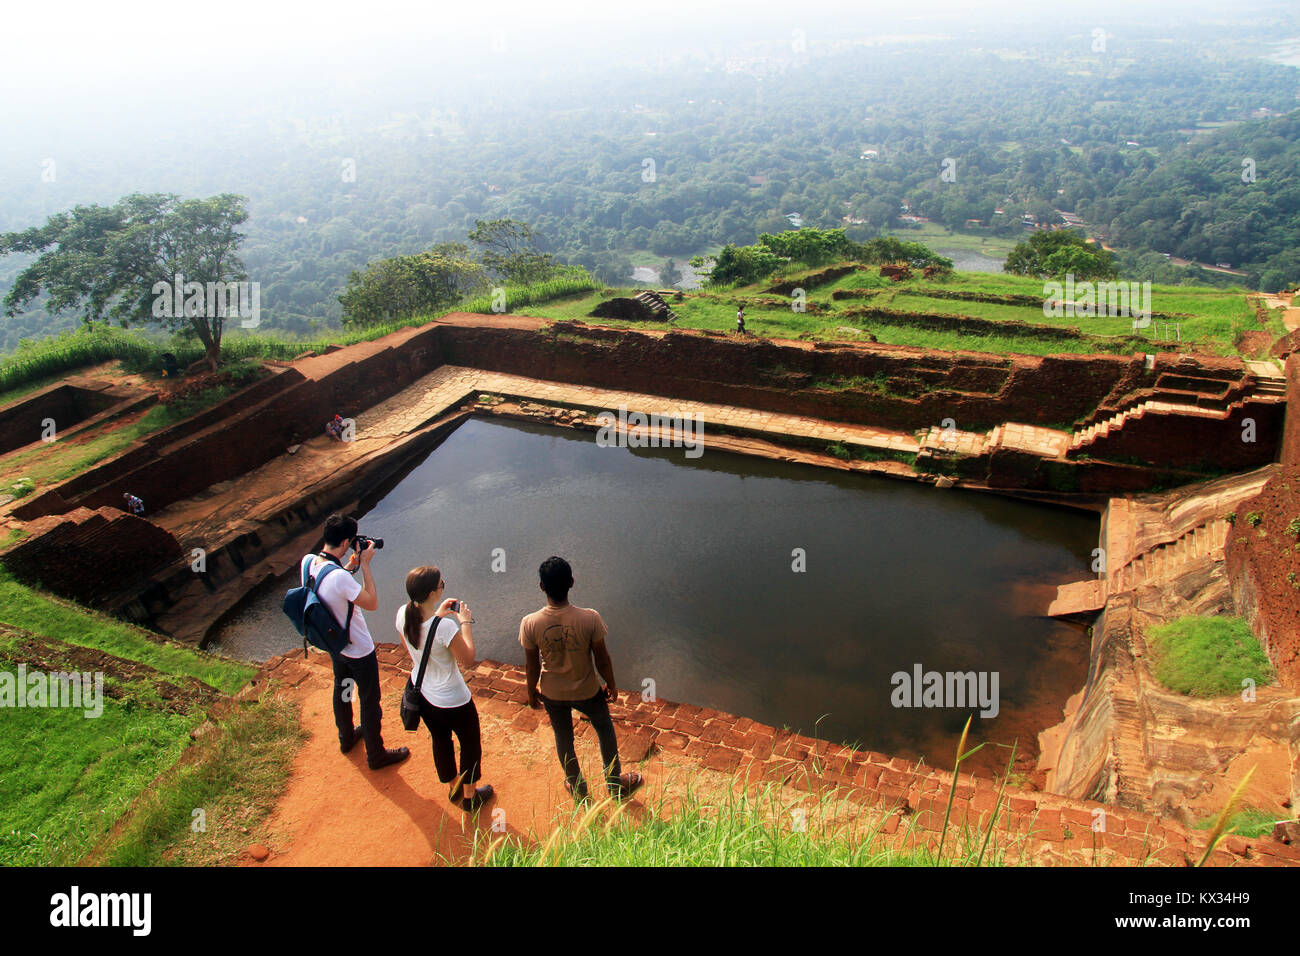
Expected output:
(565, 637)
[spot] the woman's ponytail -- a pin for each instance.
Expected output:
(420, 583)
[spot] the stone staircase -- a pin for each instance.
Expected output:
(1098, 430)
(656, 304)
(1267, 391)
(1205, 540)
(1154, 564)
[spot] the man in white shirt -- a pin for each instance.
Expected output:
(356, 667)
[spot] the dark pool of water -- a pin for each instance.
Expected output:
(690, 563)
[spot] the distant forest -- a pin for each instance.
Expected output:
(1149, 145)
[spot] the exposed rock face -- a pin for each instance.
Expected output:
(1262, 558)
(1129, 741)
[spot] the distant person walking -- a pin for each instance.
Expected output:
(740, 321)
(133, 504)
(446, 706)
(561, 642)
(356, 667)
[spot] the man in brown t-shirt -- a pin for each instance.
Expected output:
(561, 644)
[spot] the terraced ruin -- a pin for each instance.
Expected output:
(1172, 448)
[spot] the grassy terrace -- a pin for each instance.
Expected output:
(38, 468)
(1212, 318)
(65, 779)
(116, 790)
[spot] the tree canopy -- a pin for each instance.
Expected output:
(147, 259)
(1059, 253)
(404, 286)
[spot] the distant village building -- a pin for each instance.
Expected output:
(756, 181)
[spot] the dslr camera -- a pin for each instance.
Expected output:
(361, 540)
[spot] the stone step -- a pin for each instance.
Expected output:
(1078, 597)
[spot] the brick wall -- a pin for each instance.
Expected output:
(912, 797)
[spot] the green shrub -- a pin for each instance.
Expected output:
(1207, 656)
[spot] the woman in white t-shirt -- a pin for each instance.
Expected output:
(446, 706)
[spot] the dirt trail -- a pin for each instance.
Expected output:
(335, 811)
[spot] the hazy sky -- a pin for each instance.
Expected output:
(94, 47)
(111, 69)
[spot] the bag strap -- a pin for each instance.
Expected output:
(330, 565)
(424, 657)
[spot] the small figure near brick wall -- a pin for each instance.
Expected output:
(334, 428)
(740, 321)
(133, 504)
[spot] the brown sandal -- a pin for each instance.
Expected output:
(629, 783)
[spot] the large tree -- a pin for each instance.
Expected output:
(1058, 253)
(510, 252)
(148, 259)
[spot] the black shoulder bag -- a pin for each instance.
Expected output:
(411, 696)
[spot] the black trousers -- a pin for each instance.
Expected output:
(597, 711)
(358, 677)
(463, 722)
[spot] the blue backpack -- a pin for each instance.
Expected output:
(313, 619)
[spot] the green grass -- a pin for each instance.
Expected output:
(57, 461)
(65, 779)
(235, 780)
(519, 297)
(37, 363)
(65, 621)
(1207, 656)
(940, 237)
(1215, 316)
(764, 828)
(735, 830)
(1249, 822)
(27, 387)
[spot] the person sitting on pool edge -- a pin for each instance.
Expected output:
(560, 643)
